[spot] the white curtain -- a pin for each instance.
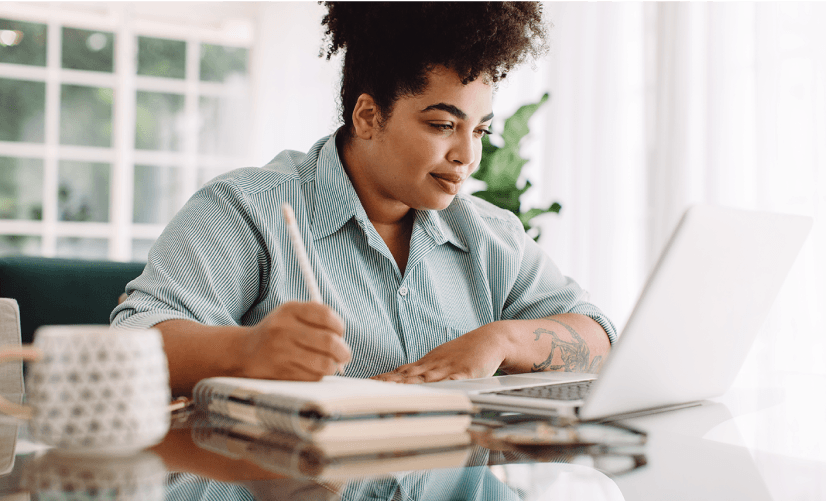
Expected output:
(655, 106)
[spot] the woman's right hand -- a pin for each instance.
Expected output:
(298, 341)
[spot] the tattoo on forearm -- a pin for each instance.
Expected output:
(575, 354)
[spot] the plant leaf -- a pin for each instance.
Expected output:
(516, 127)
(500, 168)
(508, 200)
(527, 216)
(504, 169)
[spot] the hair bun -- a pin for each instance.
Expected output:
(390, 46)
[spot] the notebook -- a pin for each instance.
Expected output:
(335, 408)
(690, 330)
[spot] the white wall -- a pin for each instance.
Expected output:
(296, 92)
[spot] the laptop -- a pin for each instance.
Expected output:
(689, 332)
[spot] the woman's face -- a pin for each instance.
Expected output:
(431, 143)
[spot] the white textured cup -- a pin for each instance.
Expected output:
(98, 390)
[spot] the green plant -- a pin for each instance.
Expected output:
(501, 167)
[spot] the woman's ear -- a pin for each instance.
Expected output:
(365, 117)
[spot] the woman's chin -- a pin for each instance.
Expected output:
(442, 203)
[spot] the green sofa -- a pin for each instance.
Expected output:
(52, 291)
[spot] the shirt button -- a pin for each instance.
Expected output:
(403, 290)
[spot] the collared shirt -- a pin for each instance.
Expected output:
(226, 259)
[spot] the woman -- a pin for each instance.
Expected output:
(419, 282)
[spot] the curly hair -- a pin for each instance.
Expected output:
(390, 47)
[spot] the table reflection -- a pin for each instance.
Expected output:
(138, 477)
(200, 461)
(239, 463)
(291, 456)
(526, 482)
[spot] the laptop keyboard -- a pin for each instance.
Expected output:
(558, 391)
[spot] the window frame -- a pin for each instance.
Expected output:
(127, 25)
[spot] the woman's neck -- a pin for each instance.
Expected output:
(382, 210)
(392, 219)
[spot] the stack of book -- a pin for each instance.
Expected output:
(333, 429)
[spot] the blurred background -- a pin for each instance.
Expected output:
(113, 114)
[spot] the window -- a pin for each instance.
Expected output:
(109, 123)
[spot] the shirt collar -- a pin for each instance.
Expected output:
(336, 201)
(439, 225)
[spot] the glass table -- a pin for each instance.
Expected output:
(750, 444)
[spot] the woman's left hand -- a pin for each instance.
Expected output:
(479, 353)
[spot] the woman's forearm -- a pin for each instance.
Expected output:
(195, 351)
(568, 342)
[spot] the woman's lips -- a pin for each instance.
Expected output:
(450, 183)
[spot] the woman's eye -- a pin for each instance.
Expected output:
(449, 127)
(442, 127)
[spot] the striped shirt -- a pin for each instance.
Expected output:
(226, 259)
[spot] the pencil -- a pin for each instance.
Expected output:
(301, 253)
(303, 261)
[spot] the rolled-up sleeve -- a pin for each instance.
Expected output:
(541, 290)
(208, 264)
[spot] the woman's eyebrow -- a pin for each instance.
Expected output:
(453, 110)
